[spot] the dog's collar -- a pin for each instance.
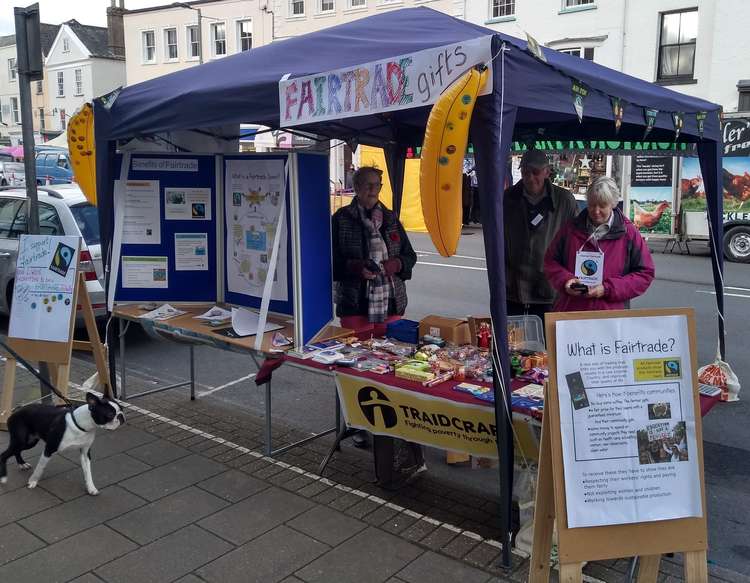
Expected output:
(73, 417)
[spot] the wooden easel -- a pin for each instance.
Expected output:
(646, 540)
(57, 355)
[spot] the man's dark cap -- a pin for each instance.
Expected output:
(534, 159)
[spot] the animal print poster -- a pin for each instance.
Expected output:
(735, 181)
(651, 197)
(254, 189)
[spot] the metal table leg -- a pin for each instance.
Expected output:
(122, 327)
(269, 448)
(192, 373)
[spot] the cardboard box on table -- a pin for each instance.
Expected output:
(453, 330)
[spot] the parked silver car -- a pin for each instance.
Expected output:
(63, 210)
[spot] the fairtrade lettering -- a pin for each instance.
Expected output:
(347, 78)
(361, 79)
(405, 97)
(334, 86)
(306, 98)
(393, 70)
(319, 83)
(291, 91)
(378, 89)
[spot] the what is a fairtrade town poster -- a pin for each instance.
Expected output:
(627, 421)
(43, 290)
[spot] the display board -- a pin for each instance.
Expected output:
(203, 228)
(621, 461)
(312, 244)
(169, 234)
(256, 191)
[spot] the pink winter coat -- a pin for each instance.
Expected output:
(628, 267)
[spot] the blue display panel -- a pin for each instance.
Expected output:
(176, 171)
(253, 241)
(315, 243)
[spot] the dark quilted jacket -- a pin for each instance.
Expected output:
(349, 241)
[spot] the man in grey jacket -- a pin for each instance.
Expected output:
(533, 211)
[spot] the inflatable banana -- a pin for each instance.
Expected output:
(445, 141)
(82, 152)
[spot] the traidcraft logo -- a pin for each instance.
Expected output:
(377, 408)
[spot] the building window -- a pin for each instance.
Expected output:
(194, 43)
(41, 119)
(39, 87)
(62, 119)
(584, 53)
(743, 101)
(60, 84)
(296, 7)
(357, 3)
(148, 40)
(502, 8)
(14, 110)
(79, 81)
(677, 45)
(219, 36)
(170, 44)
(326, 6)
(12, 70)
(245, 35)
(575, 3)
(66, 45)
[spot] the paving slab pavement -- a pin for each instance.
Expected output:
(186, 496)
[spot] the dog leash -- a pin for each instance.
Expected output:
(33, 371)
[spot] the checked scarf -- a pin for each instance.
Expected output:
(378, 289)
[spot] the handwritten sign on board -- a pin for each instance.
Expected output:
(44, 285)
(401, 82)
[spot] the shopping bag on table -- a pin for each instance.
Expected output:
(720, 374)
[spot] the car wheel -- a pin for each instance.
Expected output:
(737, 244)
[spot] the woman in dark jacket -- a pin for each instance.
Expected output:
(372, 257)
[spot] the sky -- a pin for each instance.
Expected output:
(93, 12)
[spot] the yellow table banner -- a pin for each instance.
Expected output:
(386, 410)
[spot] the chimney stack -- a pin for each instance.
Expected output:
(116, 28)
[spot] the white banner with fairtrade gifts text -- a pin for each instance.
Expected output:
(401, 82)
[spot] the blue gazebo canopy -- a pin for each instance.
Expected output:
(531, 98)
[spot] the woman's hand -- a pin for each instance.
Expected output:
(596, 291)
(357, 267)
(391, 266)
(571, 291)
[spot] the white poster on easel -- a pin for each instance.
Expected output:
(627, 420)
(44, 288)
(254, 191)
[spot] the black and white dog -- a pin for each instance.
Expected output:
(60, 428)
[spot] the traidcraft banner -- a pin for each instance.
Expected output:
(402, 82)
(385, 410)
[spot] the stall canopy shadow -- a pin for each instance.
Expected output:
(531, 98)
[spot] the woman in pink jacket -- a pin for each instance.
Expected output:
(598, 260)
